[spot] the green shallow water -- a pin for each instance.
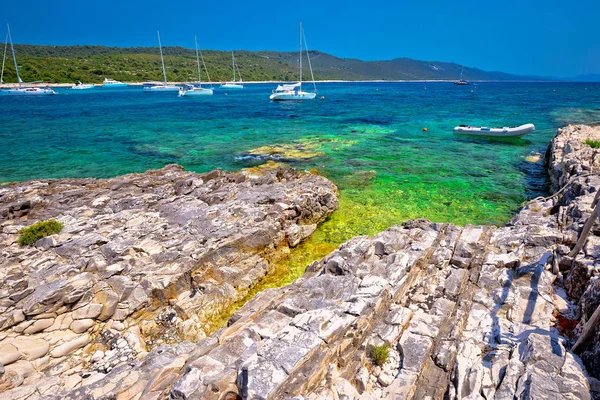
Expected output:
(367, 138)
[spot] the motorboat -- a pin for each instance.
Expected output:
(235, 84)
(160, 86)
(516, 131)
(294, 91)
(196, 89)
(22, 90)
(113, 83)
(82, 86)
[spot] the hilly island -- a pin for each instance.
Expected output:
(63, 64)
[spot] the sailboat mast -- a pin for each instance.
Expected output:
(197, 58)
(161, 57)
(3, 60)
(300, 54)
(13, 54)
(233, 65)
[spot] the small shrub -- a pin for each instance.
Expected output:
(39, 230)
(380, 354)
(595, 144)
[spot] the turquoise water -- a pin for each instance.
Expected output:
(367, 137)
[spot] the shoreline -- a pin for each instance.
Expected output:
(68, 85)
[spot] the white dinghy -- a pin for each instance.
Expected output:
(516, 131)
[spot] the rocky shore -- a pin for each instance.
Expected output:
(468, 312)
(143, 259)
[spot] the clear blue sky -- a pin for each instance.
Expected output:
(543, 37)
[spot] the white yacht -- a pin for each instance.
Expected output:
(294, 91)
(82, 86)
(235, 84)
(113, 83)
(196, 89)
(21, 90)
(157, 86)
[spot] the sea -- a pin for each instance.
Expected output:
(389, 147)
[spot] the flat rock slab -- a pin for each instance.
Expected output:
(165, 251)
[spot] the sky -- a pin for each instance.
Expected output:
(545, 38)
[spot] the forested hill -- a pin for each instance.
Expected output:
(61, 64)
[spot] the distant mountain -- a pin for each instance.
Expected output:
(93, 63)
(587, 78)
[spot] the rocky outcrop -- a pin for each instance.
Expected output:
(143, 259)
(467, 312)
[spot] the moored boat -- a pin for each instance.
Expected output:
(28, 91)
(113, 83)
(158, 86)
(516, 131)
(196, 89)
(235, 84)
(461, 81)
(82, 86)
(193, 90)
(291, 92)
(21, 90)
(294, 91)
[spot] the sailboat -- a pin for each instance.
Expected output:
(156, 86)
(461, 81)
(234, 84)
(22, 90)
(294, 91)
(196, 90)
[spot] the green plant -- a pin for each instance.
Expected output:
(39, 230)
(595, 144)
(380, 354)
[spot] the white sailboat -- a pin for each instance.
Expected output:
(235, 84)
(22, 90)
(192, 89)
(294, 91)
(461, 81)
(82, 86)
(157, 86)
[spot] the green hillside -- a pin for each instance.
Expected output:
(91, 64)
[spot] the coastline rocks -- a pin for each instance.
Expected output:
(142, 260)
(466, 312)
